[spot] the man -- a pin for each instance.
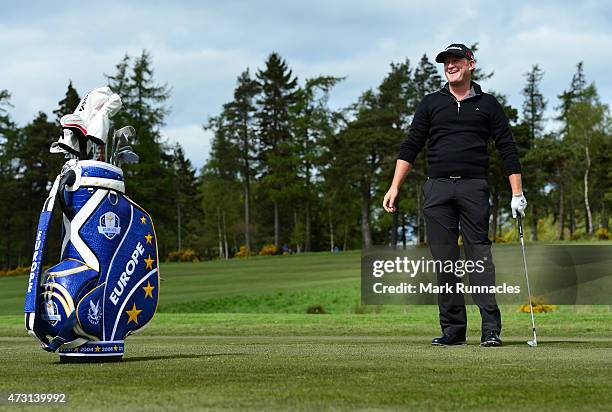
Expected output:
(456, 123)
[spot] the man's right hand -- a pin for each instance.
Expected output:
(389, 200)
(402, 168)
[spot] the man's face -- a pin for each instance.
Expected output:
(458, 69)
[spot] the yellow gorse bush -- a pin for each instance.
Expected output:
(539, 306)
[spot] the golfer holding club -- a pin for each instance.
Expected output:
(456, 123)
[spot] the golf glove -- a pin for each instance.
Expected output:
(518, 205)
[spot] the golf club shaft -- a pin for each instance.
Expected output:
(520, 223)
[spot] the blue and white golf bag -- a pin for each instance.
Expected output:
(106, 285)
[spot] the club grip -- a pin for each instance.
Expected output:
(520, 225)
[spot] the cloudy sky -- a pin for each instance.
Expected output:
(200, 47)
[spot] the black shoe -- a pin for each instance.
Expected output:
(490, 339)
(447, 340)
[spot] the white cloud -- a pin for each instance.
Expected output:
(199, 48)
(194, 140)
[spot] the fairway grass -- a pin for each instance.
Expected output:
(234, 335)
(323, 362)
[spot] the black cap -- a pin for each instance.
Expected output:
(455, 49)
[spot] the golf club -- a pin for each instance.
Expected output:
(534, 342)
(121, 137)
(127, 156)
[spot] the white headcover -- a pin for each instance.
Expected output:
(96, 109)
(67, 143)
(72, 126)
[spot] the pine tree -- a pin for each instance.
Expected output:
(426, 80)
(278, 88)
(497, 179)
(312, 124)
(68, 104)
(397, 98)
(220, 186)
(37, 170)
(144, 108)
(10, 201)
(534, 106)
(239, 114)
(187, 197)
(368, 145)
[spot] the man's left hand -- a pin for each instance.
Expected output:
(518, 205)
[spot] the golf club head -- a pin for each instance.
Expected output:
(128, 157)
(124, 149)
(533, 343)
(121, 143)
(126, 131)
(120, 136)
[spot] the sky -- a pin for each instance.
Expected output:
(200, 47)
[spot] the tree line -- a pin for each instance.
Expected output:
(161, 182)
(287, 170)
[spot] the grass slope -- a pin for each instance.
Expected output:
(274, 284)
(258, 276)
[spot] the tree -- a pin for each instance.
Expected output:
(278, 95)
(587, 120)
(534, 106)
(37, 169)
(585, 127)
(367, 145)
(312, 123)
(498, 181)
(239, 115)
(187, 197)
(68, 104)
(144, 108)
(10, 201)
(426, 80)
(220, 184)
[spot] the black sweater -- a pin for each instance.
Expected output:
(457, 133)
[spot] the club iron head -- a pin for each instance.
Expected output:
(127, 156)
(121, 138)
(124, 149)
(127, 131)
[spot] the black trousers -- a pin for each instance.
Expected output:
(454, 206)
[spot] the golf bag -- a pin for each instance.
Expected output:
(106, 285)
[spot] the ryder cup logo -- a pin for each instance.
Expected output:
(51, 313)
(109, 225)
